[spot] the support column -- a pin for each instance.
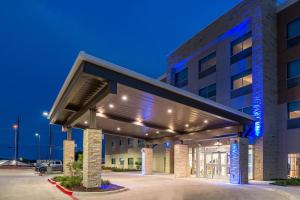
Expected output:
(92, 149)
(239, 160)
(181, 154)
(168, 161)
(68, 156)
(147, 160)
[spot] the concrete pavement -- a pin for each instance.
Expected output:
(25, 185)
(22, 184)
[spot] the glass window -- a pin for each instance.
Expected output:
(181, 78)
(294, 109)
(241, 44)
(207, 62)
(208, 92)
(113, 145)
(130, 161)
(247, 110)
(121, 160)
(113, 161)
(293, 29)
(241, 80)
(294, 165)
(293, 69)
(120, 142)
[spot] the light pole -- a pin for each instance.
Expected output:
(46, 114)
(39, 146)
(15, 127)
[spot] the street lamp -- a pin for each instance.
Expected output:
(46, 115)
(39, 146)
(15, 127)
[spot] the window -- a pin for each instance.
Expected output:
(181, 78)
(140, 143)
(247, 110)
(294, 110)
(121, 160)
(113, 145)
(207, 62)
(294, 165)
(241, 48)
(113, 161)
(241, 80)
(208, 92)
(293, 69)
(120, 142)
(130, 161)
(293, 33)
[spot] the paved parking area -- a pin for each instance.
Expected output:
(26, 185)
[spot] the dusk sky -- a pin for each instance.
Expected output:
(40, 40)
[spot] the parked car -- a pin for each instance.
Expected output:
(56, 165)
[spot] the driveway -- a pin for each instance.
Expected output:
(23, 184)
(26, 185)
(166, 187)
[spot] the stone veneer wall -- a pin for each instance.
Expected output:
(147, 161)
(168, 161)
(181, 153)
(69, 156)
(92, 151)
(239, 160)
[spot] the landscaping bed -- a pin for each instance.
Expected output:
(287, 182)
(74, 183)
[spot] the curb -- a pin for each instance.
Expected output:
(64, 190)
(81, 194)
(52, 181)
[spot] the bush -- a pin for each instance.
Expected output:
(287, 182)
(68, 181)
(105, 182)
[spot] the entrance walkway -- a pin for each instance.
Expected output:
(166, 187)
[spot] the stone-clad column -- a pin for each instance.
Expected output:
(168, 161)
(147, 160)
(92, 149)
(68, 156)
(180, 160)
(239, 160)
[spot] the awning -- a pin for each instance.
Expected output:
(130, 104)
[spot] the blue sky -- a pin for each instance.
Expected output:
(40, 40)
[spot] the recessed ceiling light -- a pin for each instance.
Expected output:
(118, 129)
(124, 98)
(169, 111)
(205, 121)
(146, 134)
(157, 132)
(111, 105)
(186, 125)
(85, 122)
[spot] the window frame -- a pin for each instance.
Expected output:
(293, 41)
(287, 69)
(239, 40)
(287, 29)
(206, 90)
(183, 82)
(241, 75)
(205, 59)
(288, 110)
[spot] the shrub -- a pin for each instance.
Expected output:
(287, 182)
(68, 181)
(59, 178)
(105, 182)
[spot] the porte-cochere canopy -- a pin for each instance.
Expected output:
(130, 104)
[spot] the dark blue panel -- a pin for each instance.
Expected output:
(207, 72)
(241, 91)
(293, 123)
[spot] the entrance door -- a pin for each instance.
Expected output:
(216, 165)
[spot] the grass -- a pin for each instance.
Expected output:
(287, 182)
